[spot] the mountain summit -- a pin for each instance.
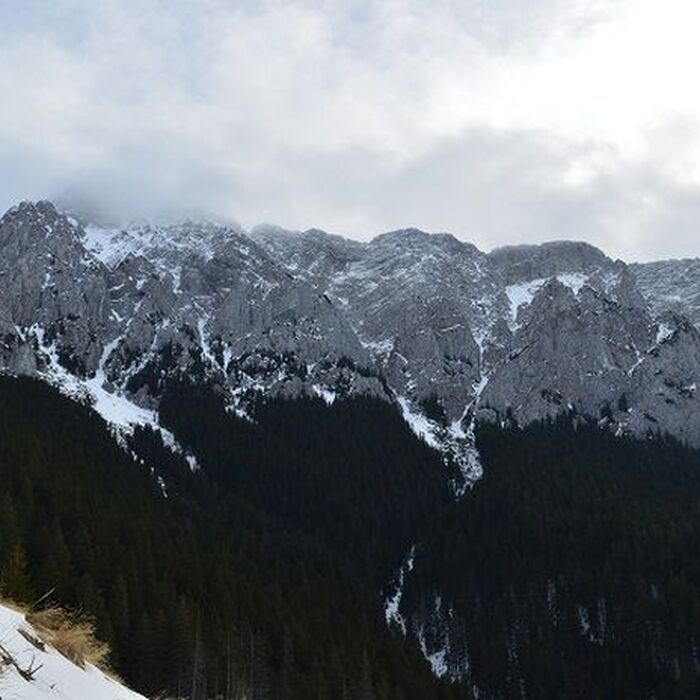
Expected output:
(449, 333)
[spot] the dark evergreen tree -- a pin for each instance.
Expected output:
(14, 578)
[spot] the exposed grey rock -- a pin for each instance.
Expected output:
(665, 389)
(670, 285)
(522, 263)
(573, 353)
(452, 334)
(524, 333)
(134, 305)
(420, 303)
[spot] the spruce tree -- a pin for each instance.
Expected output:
(14, 578)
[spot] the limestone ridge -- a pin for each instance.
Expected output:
(521, 333)
(451, 334)
(119, 311)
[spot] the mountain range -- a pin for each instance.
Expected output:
(273, 385)
(450, 334)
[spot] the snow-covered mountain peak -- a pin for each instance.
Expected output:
(670, 285)
(36, 223)
(412, 237)
(156, 240)
(522, 263)
(37, 211)
(314, 255)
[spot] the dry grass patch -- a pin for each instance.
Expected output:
(71, 635)
(13, 605)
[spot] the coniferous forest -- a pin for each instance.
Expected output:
(571, 570)
(256, 576)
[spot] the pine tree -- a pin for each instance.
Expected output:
(14, 578)
(199, 686)
(365, 686)
(261, 674)
(287, 664)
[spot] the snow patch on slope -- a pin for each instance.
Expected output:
(420, 424)
(54, 676)
(109, 245)
(436, 654)
(121, 414)
(392, 605)
(664, 332)
(456, 444)
(523, 293)
(116, 409)
(326, 394)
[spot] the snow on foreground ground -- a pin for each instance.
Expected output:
(54, 677)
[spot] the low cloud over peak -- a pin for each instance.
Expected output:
(503, 122)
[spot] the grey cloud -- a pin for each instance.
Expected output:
(333, 116)
(492, 187)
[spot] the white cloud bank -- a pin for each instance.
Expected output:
(499, 120)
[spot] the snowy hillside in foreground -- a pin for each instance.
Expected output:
(53, 676)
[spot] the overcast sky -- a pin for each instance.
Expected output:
(501, 121)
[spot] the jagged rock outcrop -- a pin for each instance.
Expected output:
(670, 285)
(522, 263)
(134, 306)
(421, 304)
(452, 334)
(521, 333)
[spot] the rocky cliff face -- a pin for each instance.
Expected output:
(518, 334)
(671, 285)
(451, 334)
(122, 310)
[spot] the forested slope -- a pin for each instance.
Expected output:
(572, 570)
(205, 590)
